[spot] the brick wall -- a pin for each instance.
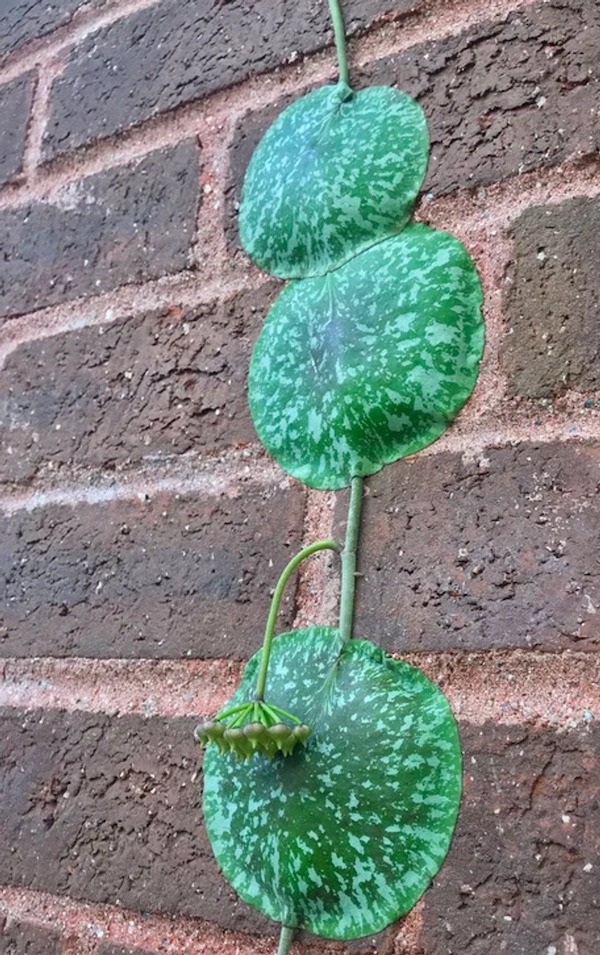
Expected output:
(142, 527)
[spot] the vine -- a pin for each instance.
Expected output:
(333, 782)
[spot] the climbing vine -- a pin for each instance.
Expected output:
(332, 778)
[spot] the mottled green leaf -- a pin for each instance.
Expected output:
(341, 838)
(337, 172)
(370, 363)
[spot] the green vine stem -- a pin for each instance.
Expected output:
(285, 940)
(349, 560)
(278, 594)
(340, 40)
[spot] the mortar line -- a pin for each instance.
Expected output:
(210, 243)
(93, 924)
(559, 688)
(38, 118)
(231, 471)
(225, 473)
(129, 301)
(462, 213)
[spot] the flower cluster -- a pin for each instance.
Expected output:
(253, 728)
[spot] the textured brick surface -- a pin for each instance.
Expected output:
(26, 938)
(497, 552)
(22, 21)
(522, 873)
(195, 50)
(500, 98)
(109, 810)
(552, 301)
(127, 224)
(131, 391)
(169, 577)
(15, 106)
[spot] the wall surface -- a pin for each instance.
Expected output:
(142, 526)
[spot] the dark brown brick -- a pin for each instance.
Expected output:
(194, 51)
(27, 938)
(522, 873)
(132, 391)
(22, 21)
(503, 97)
(552, 301)
(170, 577)
(15, 107)
(499, 552)
(109, 810)
(127, 224)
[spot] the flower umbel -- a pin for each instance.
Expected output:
(253, 728)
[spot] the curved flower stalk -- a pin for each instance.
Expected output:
(256, 727)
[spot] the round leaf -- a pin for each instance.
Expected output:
(340, 838)
(370, 363)
(335, 173)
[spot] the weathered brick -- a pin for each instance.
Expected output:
(22, 21)
(134, 390)
(131, 223)
(27, 938)
(473, 554)
(552, 301)
(170, 577)
(109, 810)
(522, 873)
(502, 97)
(194, 52)
(15, 107)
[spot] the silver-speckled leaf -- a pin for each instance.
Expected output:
(341, 838)
(337, 172)
(370, 363)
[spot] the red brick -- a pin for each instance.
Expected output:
(194, 52)
(170, 577)
(109, 810)
(135, 390)
(501, 551)
(127, 224)
(15, 106)
(552, 301)
(27, 938)
(22, 21)
(522, 873)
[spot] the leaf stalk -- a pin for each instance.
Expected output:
(285, 940)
